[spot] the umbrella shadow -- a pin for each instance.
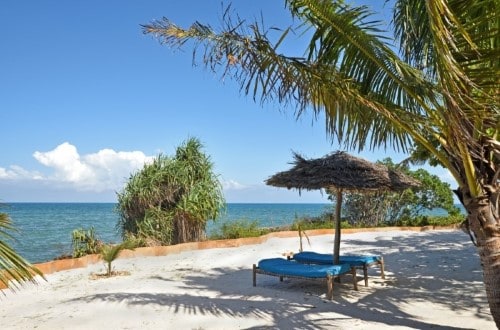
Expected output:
(415, 279)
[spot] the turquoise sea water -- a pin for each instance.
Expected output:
(45, 228)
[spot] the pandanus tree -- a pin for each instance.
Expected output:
(170, 200)
(432, 89)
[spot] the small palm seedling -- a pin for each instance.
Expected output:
(110, 252)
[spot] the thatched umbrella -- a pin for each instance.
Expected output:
(340, 172)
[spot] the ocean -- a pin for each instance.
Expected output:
(44, 229)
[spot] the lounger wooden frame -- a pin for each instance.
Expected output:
(379, 262)
(365, 265)
(329, 279)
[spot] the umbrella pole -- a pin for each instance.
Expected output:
(336, 244)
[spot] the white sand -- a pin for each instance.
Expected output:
(433, 280)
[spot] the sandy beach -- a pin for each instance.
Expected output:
(433, 281)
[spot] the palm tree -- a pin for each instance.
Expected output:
(14, 269)
(436, 96)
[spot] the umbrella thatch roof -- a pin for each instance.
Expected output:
(340, 171)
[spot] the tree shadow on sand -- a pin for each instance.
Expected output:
(425, 272)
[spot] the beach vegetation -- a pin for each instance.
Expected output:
(85, 241)
(170, 200)
(323, 221)
(251, 228)
(429, 220)
(240, 229)
(431, 90)
(14, 269)
(109, 253)
(391, 208)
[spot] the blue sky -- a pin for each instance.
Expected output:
(86, 99)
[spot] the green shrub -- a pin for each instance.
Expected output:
(425, 220)
(323, 221)
(135, 241)
(85, 242)
(239, 229)
(247, 228)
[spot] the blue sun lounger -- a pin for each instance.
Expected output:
(287, 268)
(359, 261)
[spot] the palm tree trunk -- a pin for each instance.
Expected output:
(483, 221)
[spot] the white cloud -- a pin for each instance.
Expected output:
(101, 171)
(3, 173)
(71, 176)
(111, 168)
(17, 172)
(65, 160)
(232, 185)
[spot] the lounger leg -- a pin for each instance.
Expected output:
(329, 289)
(382, 274)
(254, 275)
(365, 273)
(354, 278)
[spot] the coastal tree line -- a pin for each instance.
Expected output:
(409, 207)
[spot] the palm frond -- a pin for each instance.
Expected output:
(442, 94)
(14, 269)
(312, 83)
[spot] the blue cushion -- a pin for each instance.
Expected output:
(285, 267)
(359, 260)
(327, 259)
